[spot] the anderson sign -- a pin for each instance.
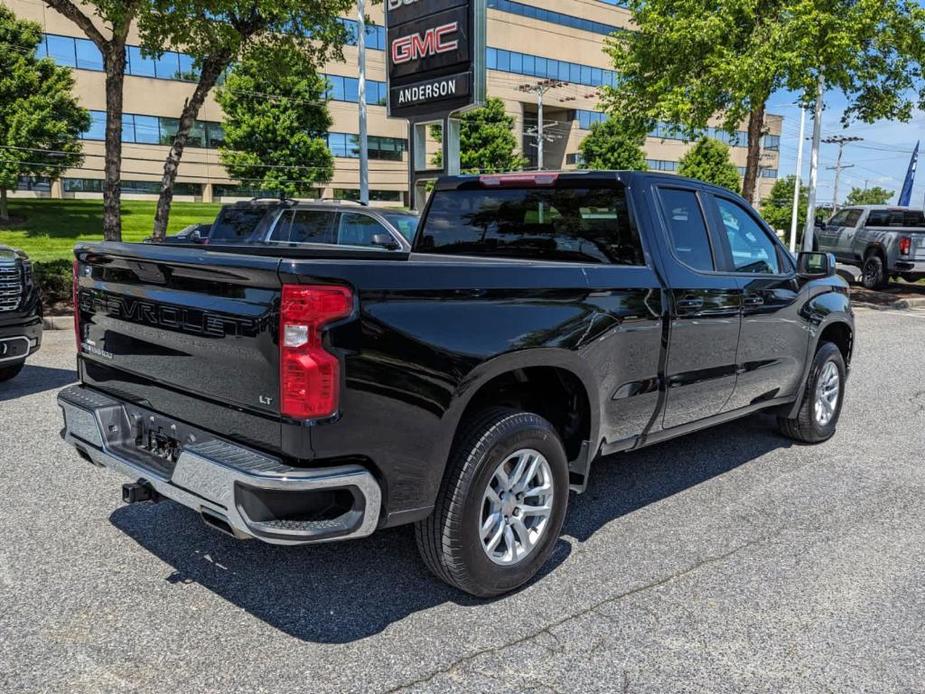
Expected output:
(435, 56)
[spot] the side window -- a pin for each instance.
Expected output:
(752, 248)
(839, 219)
(312, 226)
(357, 229)
(852, 218)
(878, 218)
(687, 228)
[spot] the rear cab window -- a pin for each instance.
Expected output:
(909, 219)
(576, 222)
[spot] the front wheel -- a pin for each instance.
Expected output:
(11, 371)
(822, 400)
(501, 505)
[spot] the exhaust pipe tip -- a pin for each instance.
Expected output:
(137, 492)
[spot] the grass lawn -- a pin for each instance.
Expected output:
(49, 228)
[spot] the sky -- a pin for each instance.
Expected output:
(881, 159)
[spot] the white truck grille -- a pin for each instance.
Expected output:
(10, 287)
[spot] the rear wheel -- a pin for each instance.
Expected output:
(11, 371)
(501, 505)
(820, 408)
(873, 272)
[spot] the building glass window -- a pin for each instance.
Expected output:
(88, 55)
(128, 127)
(139, 65)
(374, 195)
(97, 129)
(61, 49)
(167, 67)
(187, 71)
(215, 136)
(146, 130)
(538, 66)
(553, 17)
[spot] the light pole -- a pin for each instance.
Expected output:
(814, 167)
(361, 99)
(796, 183)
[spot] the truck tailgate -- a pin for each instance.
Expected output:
(202, 324)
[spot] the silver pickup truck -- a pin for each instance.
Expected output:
(883, 241)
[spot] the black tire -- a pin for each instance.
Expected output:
(873, 272)
(449, 539)
(11, 370)
(805, 427)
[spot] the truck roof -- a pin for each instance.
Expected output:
(571, 177)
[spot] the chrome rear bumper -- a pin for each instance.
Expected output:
(236, 489)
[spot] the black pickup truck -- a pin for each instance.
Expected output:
(310, 393)
(20, 312)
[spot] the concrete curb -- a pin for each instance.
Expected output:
(898, 305)
(58, 322)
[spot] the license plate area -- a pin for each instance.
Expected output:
(149, 439)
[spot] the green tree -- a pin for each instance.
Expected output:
(689, 60)
(777, 208)
(219, 32)
(486, 140)
(869, 196)
(611, 146)
(40, 120)
(106, 23)
(276, 143)
(708, 160)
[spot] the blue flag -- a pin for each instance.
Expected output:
(906, 194)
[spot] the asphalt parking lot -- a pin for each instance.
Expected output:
(729, 560)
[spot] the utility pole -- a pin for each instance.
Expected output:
(540, 88)
(839, 140)
(361, 93)
(814, 167)
(796, 183)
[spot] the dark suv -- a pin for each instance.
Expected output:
(20, 312)
(320, 222)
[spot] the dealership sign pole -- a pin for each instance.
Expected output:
(436, 70)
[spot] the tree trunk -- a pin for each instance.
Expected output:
(114, 63)
(753, 157)
(211, 70)
(4, 211)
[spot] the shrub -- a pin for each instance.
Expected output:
(54, 278)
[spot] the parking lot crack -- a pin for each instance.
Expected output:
(594, 608)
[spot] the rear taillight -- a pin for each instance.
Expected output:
(309, 375)
(76, 267)
(905, 245)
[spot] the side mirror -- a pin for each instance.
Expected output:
(813, 265)
(385, 241)
(819, 224)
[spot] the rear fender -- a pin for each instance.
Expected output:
(505, 363)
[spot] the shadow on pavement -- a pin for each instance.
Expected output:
(341, 592)
(36, 379)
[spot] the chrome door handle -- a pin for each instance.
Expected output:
(690, 304)
(752, 301)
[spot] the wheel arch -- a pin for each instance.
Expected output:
(833, 321)
(545, 381)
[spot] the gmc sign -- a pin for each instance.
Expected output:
(431, 42)
(430, 55)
